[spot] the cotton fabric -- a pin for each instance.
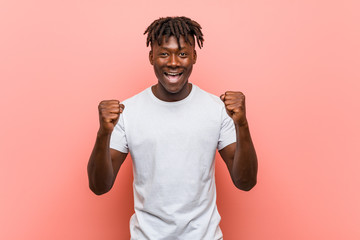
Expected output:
(172, 146)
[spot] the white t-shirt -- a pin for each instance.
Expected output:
(172, 145)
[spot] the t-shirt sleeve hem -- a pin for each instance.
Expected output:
(119, 148)
(226, 143)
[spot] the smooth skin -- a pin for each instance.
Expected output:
(170, 58)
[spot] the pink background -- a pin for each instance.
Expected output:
(297, 62)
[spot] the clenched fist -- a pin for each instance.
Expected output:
(235, 106)
(109, 112)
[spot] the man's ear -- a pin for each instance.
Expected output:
(151, 57)
(194, 57)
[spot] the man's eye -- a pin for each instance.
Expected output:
(163, 54)
(182, 54)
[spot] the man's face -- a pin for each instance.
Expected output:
(173, 65)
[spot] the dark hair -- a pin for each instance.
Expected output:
(174, 26)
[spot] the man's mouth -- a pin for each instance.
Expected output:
(172, 76)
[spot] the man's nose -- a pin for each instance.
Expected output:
(173, 61)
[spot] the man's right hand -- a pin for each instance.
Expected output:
(109, 112)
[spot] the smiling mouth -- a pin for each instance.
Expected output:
(173, 77)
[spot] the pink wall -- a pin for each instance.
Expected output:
(297, 61)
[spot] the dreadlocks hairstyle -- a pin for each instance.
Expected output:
(174, 26)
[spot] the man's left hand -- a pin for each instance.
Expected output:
(235, 106)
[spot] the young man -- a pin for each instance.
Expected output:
(172, 131)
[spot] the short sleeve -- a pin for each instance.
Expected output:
(227, 131)
(118, 139)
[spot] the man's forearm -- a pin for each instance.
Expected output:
(244, 167)
(100, 168)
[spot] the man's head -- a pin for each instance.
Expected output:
(173, 52)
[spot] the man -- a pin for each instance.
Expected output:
(172, 131)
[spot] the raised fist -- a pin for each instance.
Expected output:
(109, 112)
(235, 106)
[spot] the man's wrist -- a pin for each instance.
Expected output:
(242, 124)
(103, 134)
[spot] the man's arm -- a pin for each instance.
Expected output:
(104, 163)
(240, 157)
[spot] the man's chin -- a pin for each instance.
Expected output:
(172, 91)
(175, 89)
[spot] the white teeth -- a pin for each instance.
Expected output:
(173, 74)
